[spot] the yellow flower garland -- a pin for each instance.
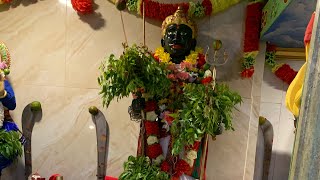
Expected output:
(164, 57)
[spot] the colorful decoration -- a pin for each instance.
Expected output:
(282, 71)
(294, 92)
(82, 6)
(251, 38)
(177, 96)
(192, 83)
(159, 11)
(11, 143)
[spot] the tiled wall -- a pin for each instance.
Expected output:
(272, 107)
(56, 55)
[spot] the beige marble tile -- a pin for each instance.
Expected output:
(271, 111)
(35, 35)
(284, 148)
(93, 37)
(64, 141)
(221, 161)
(259, 71)
(252, 140)
(272, 87)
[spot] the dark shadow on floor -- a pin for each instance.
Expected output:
(16, 3)
(95, 20)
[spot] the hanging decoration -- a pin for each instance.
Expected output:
(82, 6)
(251, 38)
(281, 70)
(159, 11)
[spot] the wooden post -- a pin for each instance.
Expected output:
(305, 163)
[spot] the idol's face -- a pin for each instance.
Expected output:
(178, 40)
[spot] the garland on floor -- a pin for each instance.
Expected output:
(281, 70)
(251, 38)
(5, 1)
(82, 6)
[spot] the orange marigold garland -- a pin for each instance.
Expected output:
(251, 38)
(282, 71)
(82, 6)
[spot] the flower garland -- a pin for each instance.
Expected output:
(251, 38)
(82, 6)
(281, 70)
(160, 11)
(154, 150)
(193, 68)
(192, 59)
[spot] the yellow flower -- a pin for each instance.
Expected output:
(159, 51)
(199, 50)
(192, 58)
(165, 57)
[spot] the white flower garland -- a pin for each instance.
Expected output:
(1, 114)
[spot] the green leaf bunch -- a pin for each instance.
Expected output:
(132, 5)
(205, 109)
(248, 62)
(136, 68)
(10, 146)
(140, 168)
(196, 10)
(270, 59)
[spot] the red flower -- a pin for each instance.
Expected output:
(201, 61)
(7, 1)
(182, 167)
(271, 47)
(206, 80)
(154, 150)
(156, 57)
(82, 6)
(183, 75)
(152, 128)
(171, 77)
(160, 11)
(286, 73)
(150, 106)
(168, 118)
(208, 7)
(253, 25)
(247, 73)
(165, 166)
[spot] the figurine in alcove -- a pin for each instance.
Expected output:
(174, 129)
(10, 143)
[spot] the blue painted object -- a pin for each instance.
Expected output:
(288, 25)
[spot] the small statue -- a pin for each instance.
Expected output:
(179, 51)
(7, 102)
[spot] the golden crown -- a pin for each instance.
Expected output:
(179, 17)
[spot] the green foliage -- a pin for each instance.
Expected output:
(135, 69)
(248, 62)
(10, 146)
(270, 59)
(196, 10)
(132, 5)
(137, 168)
(205, 109)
